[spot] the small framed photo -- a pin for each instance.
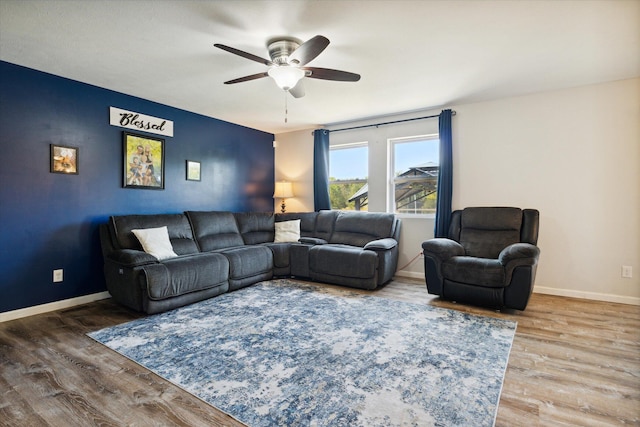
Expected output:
(143, 161)
(193, 170)
(64, 159)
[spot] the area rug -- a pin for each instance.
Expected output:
(286, 353)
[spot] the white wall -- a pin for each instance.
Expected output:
(294, 162)
(573, 154)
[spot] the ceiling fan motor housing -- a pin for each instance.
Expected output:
(280, 49)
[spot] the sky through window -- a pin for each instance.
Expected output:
(352, 163)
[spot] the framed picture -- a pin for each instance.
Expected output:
(143, 161)
(64, 159)
(193, 170)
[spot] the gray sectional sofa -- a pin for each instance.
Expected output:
(215, 252)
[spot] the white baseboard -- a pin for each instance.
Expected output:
(410, 274)
(52, 306)
(587, 295)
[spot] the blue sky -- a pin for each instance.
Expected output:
(351, 163)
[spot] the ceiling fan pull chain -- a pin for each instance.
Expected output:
(286, 108)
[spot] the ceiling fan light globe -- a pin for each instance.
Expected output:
(285, 76)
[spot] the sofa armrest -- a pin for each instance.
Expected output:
(519, 253)
(381, 244)
(442, 249)
(312, 241)
(131, 258)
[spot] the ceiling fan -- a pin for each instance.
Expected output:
(287, 65)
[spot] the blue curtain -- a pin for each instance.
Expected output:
(445, 176)
(321, 198)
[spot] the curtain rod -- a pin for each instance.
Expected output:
(453, 113)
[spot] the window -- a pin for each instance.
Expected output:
(413, 172)
(348, 164)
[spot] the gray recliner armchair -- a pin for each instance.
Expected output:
(489, 258)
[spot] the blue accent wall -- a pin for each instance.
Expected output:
(50, 221)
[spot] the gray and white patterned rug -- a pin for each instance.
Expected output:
(286, 353)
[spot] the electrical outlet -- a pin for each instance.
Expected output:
(57, 276)
(627, 271)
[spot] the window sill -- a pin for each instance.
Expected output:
(415, 216)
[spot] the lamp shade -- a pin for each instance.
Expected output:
(286, 76)
(283, 190)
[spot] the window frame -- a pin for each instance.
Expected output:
(346, 146)
(391, 202)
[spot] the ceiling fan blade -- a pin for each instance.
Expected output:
(309, 50)
(247, 78)
(243, 54)
(329, 74)
(298, 90)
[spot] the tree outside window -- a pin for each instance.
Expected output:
(348, 166)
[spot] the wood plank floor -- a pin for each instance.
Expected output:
(573, 362)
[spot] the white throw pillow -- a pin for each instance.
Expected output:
(155, 241)
(287, 231)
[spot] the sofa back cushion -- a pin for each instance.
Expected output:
(256, 227)
(177, 225)
(359, 228)
(485, 231)
(325, 223)
(214, 230)
(307, 221)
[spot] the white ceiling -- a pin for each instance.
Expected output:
(412, 55)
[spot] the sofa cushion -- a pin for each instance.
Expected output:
(248, 261)
(255, 227)
(324, 224)
(179, 276)
(177, 225)
(474, 271)
(343, 260)
(215, 230)
(155, 242)
(485, 231)
(287, 231)
(359, 228)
